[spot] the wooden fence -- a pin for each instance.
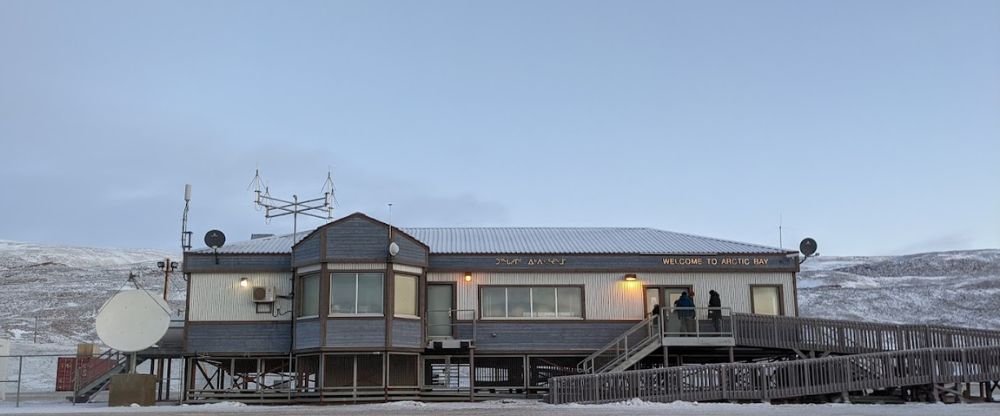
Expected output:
(786, 379)
(851, 337)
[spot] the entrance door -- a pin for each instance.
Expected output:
(665, 296)
(440, 303)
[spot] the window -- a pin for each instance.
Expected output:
(309, 298)
(766, 300)
(535, 302)
(356, 294)
(405, 295)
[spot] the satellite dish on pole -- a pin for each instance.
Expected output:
(215, 239)
(807, 247)
(133, 320)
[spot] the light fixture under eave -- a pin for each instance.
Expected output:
(244, 282)
(468, 277)
(630, 277)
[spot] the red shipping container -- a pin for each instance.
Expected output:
(88, 369)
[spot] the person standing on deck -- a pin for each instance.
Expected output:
(686, 312)
(714, 311)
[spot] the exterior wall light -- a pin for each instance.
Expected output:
(244, 282)
(630, 277)
(468, 277)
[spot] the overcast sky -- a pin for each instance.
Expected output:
(872, 126)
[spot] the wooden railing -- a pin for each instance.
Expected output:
(786, 379)
(851, 337)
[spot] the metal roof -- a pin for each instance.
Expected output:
(527, 240)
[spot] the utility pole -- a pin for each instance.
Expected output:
(166, 266)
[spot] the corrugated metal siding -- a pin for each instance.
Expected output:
(219, 297)
(608, 297)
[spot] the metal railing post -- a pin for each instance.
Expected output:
(20, 366)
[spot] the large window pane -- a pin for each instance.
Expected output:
(518, 302)
(309, 298)
(766, 300)
(494, 302)
(405, 295)
(343, 288)
(369, 293)
(570, 302)
(543, 302)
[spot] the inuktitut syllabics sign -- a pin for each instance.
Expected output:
(607, 262)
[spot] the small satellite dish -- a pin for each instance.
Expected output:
(807, 247)
(133, 320)
(393, 249)
(215, 239)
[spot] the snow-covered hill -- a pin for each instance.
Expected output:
(62, 288)
(960, 288)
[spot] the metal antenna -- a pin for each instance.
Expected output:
(185, 234)
(780, 243)
(390, 222)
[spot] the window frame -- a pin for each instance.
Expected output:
(301, 297)
(416, 296)
(781, 298)
(357, 291)
(583, 303)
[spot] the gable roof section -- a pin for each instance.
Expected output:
(526, 240)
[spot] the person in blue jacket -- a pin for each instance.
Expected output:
(686, 315)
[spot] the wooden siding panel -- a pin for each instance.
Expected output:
(219, 297)
(241, 338)
(206, 263)
(356, 239)
(307, 334)
(356, 266)
(409, 251)
(609, 297)
(308, 251)
(407, 333)
(355, 333)
(539, 336)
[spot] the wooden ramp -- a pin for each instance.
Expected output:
(787, 379)
(856, 356)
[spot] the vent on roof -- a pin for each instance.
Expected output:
(256, 236)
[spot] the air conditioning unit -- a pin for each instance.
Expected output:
(263, 294)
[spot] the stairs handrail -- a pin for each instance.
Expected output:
(645, 323)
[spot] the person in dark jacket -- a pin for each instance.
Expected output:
(714, 313)
(686, 315)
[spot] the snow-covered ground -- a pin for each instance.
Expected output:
(526, 408)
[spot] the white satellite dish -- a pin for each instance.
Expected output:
(133, 320)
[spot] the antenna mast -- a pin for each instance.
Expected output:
(185, 234)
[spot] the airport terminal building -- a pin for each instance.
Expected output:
(357, 310)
